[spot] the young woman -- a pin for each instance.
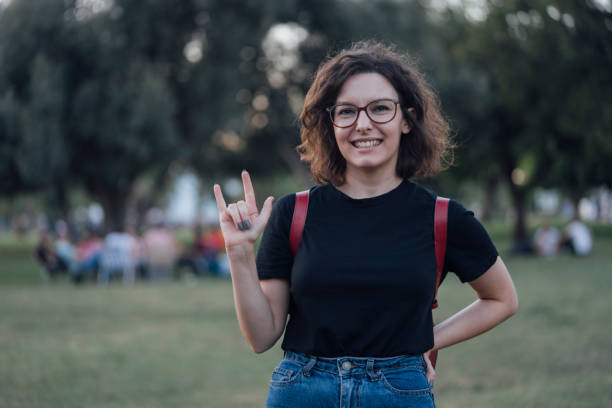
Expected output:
(360, 289)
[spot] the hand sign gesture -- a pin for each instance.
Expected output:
(241, 222)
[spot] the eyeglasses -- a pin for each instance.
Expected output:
(379, 111)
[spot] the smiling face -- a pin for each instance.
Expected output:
(368, 146)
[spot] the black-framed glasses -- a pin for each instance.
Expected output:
(380, 111)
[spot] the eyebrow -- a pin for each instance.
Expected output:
(354, 104)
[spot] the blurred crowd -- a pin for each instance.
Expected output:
(576, 238)
(156, 254)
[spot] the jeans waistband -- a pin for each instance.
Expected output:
(348, 363)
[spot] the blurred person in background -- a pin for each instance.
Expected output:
(359, 292)
(87, 255)
(546, 240)
(193, 254)
(214, 251)
(203, 256)
(138, 252)
(119, 256)
(160, 251)
(64, 249)
(44, 254)
(577, 238)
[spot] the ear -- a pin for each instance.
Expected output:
(405, 125)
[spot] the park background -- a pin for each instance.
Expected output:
(116, 107)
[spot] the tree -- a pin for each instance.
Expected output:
(31, 111)
(89, 100)
(526, 61)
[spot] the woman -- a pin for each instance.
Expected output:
(360, 289)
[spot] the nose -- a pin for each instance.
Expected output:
(363, 121)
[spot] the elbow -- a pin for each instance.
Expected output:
(257, 349)
(262, 341)
(261, 346)
(512, 304)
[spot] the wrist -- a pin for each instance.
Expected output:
(240, 252)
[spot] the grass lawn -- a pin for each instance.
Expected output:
(178, 344)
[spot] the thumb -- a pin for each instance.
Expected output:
(430, 371)
(266, 209)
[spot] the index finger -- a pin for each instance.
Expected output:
(249, 193)
(221, 206)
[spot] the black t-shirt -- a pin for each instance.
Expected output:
(363, 280)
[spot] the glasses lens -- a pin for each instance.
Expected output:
(381, 111)
(344, 115)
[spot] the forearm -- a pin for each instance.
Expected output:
(254, 313)
(477, 318)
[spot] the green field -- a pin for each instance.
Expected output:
(178, 344)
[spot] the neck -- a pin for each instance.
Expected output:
(365, 185)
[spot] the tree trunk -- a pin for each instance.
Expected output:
(520, 223)
(576, 204)
(490, 197)
(115, 206)
(520, 239)
(61, 198)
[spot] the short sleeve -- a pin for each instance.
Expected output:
(469, 249)
(274, 259)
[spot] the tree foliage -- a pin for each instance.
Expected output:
(100, 94)
(531, 96)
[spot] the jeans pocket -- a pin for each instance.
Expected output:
(286, 373)
(406, 381)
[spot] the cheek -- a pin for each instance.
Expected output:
(395, 131)
(339, 143)
(341, 136)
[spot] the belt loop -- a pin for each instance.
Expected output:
(370, 370)
(309, 366)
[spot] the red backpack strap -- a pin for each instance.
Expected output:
(440, 221)
(298, 220)
(440, 224)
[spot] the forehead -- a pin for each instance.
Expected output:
(360, 89)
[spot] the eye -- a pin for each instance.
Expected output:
(380, 107)
(345, 110)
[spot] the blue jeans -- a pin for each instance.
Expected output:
(349, 382)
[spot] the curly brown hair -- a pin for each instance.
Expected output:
(425, 153)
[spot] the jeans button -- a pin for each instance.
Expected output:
(346, 365)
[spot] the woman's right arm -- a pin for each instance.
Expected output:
(261, 306)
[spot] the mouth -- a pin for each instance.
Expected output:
(365, 144)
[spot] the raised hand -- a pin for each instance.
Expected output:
(241, 222)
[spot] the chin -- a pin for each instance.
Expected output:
(368, 165)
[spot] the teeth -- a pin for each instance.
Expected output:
(367, 143)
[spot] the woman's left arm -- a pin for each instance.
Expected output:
(497, 301)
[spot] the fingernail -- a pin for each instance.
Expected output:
(247, 225)
(240, 227)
